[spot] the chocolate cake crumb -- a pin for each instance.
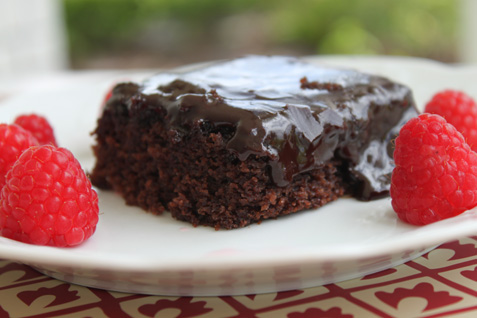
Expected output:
(305, 84)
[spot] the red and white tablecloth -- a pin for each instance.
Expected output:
(442, 283)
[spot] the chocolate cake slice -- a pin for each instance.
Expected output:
(249, 139)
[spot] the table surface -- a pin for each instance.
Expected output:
(442, 283)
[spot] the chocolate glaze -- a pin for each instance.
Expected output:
(296, 114)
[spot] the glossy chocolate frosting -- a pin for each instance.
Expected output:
(298, 115)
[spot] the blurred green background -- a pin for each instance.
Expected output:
(164, 33)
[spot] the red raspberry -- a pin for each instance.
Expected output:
(108, 95)
(39, 127)
(13, 140)
(47, 199)
(458, 109)
(436, 171)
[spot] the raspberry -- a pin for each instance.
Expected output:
(13, 140)
(39, 127)
(436, 171)
(47, 199)
(108, 95)
(106, 98)
(458, 109)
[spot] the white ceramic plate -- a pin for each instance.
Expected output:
(137, 252)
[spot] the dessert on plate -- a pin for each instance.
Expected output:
(236, 142)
